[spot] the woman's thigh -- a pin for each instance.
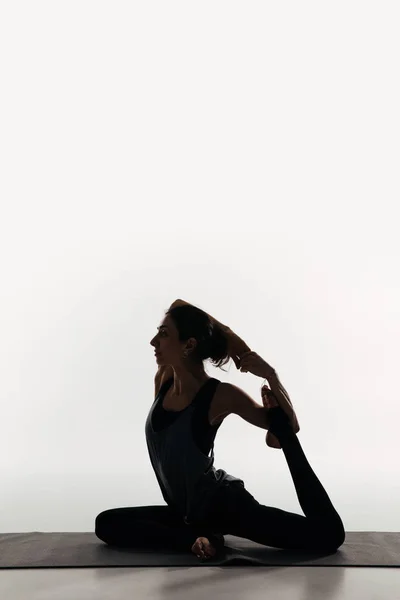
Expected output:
(238, 513)
(230, 508)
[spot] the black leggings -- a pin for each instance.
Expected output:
(236, 512)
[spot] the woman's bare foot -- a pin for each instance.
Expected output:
(203, 548)
(268, 398)
(277, 420)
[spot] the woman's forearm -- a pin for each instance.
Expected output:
(276, 385)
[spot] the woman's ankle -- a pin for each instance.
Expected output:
(279, 423)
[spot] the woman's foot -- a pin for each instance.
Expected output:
(277, 420)
(268, 398)
(203, 548)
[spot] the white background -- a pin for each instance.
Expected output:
(243, 156)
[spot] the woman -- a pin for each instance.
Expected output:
(202, 503)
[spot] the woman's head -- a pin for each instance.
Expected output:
(187, 337)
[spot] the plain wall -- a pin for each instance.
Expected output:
(241, 156)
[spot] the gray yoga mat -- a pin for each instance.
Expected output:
(71, 550)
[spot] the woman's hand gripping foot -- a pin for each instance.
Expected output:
(277, 420)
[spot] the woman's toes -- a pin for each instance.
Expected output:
(209, 550)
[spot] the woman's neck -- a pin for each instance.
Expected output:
(188, 383)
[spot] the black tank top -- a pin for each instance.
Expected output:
(179, 443)
(203, 433)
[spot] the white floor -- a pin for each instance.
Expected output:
(278, 583)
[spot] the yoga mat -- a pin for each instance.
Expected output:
(71, 550)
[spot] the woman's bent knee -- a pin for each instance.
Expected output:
(334, 538)
(340, 538)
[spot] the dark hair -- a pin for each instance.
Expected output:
(212, 344)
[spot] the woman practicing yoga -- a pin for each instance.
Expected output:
(204, 504)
